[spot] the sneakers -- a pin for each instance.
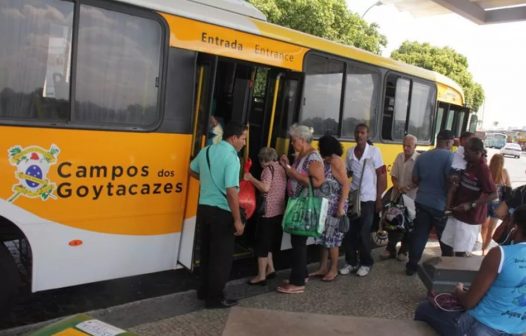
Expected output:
(363, 271)
(348, 269)
(402, 256)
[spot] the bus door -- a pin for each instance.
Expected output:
(224, 93)
(202, 133)
(284, 102)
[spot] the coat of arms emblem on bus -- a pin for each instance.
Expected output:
(32, 166)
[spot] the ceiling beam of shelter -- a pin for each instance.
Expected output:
(465, 8)
(509, 14)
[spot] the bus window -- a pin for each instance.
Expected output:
(118, 68)
(473, 121)
(180, 68)
(259, 111)
(322, 94)
(36, 60)
(400, 108)
(288, 103)
(459, 123)
(408, 109)
(440, 118)
(361, 91)
(420, 112)
(396, 103)
(450, 119)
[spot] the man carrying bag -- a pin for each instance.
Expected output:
(365, 165)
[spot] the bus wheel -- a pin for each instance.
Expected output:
(9, 278)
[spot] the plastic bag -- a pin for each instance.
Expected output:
(247, 193)
(306, 215)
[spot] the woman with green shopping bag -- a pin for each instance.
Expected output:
(306, 168)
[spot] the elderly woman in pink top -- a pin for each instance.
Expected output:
(273, 185)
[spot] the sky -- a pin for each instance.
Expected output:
(496, 54)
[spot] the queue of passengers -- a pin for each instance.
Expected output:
(425, 180)
(450, 192)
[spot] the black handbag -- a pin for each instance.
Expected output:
(345, 224)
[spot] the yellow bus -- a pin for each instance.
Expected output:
(104, 103)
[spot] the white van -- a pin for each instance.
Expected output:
(511, 149)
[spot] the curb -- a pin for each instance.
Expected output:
(149, 310)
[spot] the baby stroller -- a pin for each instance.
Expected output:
(398, 215)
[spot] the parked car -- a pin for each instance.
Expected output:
(511, 149)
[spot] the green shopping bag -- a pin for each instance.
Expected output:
(305, 215)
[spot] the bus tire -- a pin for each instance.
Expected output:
(9, 278)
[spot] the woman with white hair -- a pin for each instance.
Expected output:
(307, 166)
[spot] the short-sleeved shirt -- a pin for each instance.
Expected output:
(403, 172)
(432, 170)
(474, 180)
(355, 167)
(274, 177)
(224, 166)
(459, 163)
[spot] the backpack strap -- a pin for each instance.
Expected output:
(361, 175)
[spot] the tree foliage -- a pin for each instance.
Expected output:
(330, 19)
(445, 61)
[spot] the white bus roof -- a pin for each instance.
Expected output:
(241, 15)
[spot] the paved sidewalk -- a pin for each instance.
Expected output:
(264, 322)
(385, 293)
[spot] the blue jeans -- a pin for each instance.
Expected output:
(357, 241)
(453, 323)
(426, 218)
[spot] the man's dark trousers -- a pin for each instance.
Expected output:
(425, 219)
(357, 241)
(216, 251)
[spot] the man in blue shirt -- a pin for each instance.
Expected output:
(430, 173)
(218, 218)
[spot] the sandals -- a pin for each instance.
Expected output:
(316, 274)
(329, 278)
(257, 283)
(287, 281)
(291, 289)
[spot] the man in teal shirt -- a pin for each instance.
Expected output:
(217, 167)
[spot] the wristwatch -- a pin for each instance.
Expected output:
(473, 205)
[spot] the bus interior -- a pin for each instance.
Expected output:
(232, 90)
